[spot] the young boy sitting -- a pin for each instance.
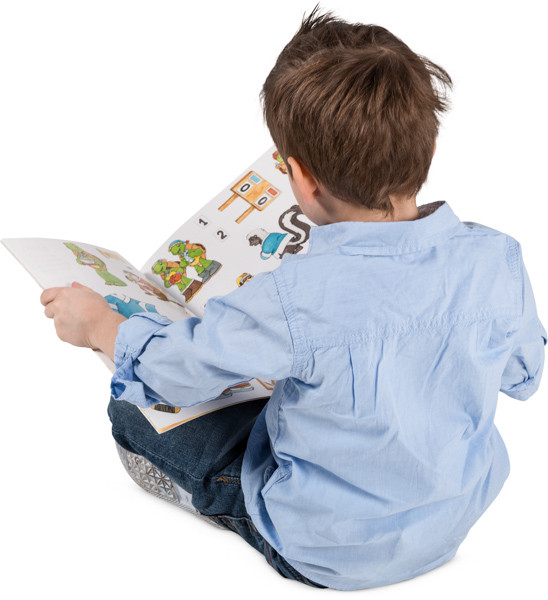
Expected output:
(389, 339)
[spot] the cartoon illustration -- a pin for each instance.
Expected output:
(277, 244)
(240, 387)
(255, 190)
(147, 287)
(90, 260)
(194, 255)
(167, 408)
(269, 242)
(280, 163)
(192, 261)
(127, 306)
(243, 278)
(110, 254)
(268, 384)
(172, 273)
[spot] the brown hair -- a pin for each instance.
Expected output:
(357, 107)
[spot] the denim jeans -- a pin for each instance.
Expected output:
(204, 456)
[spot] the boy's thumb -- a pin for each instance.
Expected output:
(75, 284)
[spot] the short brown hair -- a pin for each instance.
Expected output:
(357, 107)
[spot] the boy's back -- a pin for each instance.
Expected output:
(403, 334)
(389, 339)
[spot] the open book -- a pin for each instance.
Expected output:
(244, 230)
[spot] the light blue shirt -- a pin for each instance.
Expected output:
(389, 342)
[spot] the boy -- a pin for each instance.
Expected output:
(389, 340)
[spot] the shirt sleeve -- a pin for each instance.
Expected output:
(523, 371)
(241, 336)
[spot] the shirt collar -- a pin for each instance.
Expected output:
(436, 223)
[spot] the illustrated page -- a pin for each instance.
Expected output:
(55, 263)
(246, 229)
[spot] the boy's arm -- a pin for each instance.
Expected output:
(522, 374)
(241, 336)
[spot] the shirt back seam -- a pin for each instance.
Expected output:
(436, 325)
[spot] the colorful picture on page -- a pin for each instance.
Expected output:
(190, 272)
(90, 260)
(276, 244)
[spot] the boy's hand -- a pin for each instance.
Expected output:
(82, 317)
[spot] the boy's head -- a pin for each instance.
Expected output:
(356, 107)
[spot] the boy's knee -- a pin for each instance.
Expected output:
(125, 418)
(113, 411)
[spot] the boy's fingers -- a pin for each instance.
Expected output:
(48, 295)
(49, 311)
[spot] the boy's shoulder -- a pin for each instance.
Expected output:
(480, 229)
(509, 244)
(483, 229)
(486, 239)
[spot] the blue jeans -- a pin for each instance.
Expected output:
(204, 456)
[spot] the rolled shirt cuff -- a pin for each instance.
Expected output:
(133, 336)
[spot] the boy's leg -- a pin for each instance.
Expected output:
(157, 483)
(204, 457)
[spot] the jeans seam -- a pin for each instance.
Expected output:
(229, 480)
(271, 561)
(227, 523)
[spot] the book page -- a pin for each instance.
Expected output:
(57, 263)
(244, 230)
(164, 418)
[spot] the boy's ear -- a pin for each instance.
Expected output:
(304, 180)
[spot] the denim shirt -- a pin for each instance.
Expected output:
(389, 342)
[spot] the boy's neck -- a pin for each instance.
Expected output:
(405, 209)
(322, 208)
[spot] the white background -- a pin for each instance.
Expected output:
(113, 116)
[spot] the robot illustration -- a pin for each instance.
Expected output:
(90, 260)
(147, 287)
(127, 306)
(277, 244)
